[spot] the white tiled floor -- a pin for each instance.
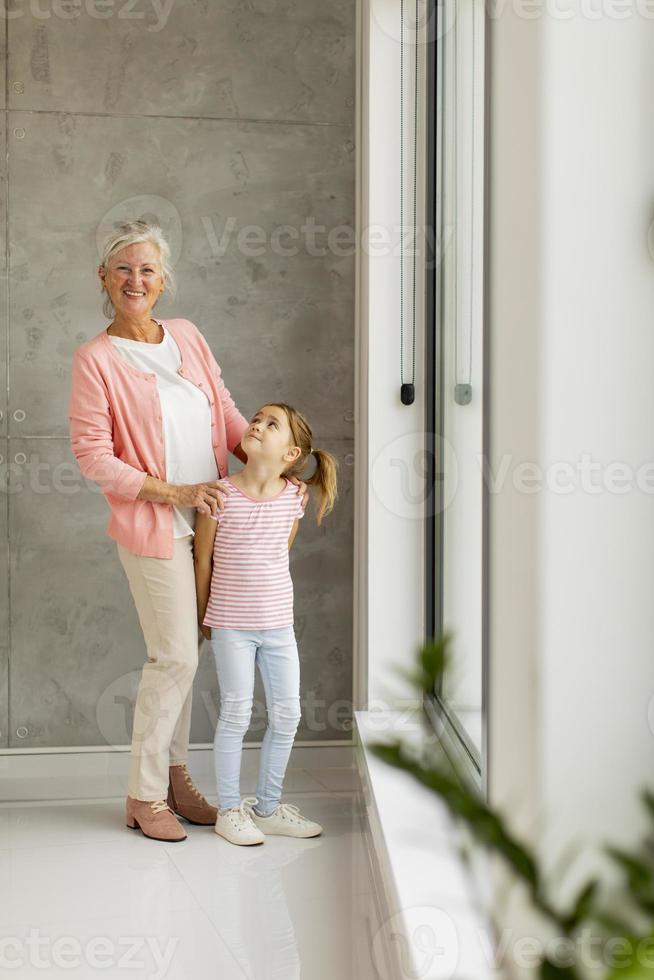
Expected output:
(91, 892)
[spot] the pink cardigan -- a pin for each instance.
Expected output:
(116, 431)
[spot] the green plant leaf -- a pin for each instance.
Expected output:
(583, 905)
(635, 971)
(431, 661)
(612, 923)
(647, 796)
(552, 971)
(640, 875)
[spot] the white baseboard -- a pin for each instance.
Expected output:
(73, 774)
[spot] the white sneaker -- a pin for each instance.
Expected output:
(236, 825)
(286, 820)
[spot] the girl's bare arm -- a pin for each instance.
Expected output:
(203, 542)
(291, 537)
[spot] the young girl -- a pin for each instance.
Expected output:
(245, 609)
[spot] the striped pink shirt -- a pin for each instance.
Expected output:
(251, 585)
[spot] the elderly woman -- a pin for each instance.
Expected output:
(152, 422)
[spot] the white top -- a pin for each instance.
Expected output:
(186, 415)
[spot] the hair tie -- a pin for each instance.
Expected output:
(311, 450)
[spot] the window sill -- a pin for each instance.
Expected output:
(434, 914)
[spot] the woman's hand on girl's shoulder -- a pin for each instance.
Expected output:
(207, 498)
(302, 489)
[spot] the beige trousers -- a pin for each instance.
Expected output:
(164, 594)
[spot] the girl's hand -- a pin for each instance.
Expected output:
(302, 488)
(206, 497)
(206, 631)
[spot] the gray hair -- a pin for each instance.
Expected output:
(130, 233)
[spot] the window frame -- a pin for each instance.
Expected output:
(471, 764)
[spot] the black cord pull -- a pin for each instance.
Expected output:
(407, 389)
(407, 393)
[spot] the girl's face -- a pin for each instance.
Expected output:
(269, 437)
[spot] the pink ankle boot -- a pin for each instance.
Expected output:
(154, 818)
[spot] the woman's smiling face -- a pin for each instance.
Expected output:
(134, 279)
(269, 436)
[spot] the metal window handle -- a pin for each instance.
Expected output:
(463, 394)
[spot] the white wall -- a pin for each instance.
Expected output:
(572, 349)
(598, 399)
(514, 284)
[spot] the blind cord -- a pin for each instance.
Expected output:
(407, 389)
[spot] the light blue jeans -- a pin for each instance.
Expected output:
(275, 653)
